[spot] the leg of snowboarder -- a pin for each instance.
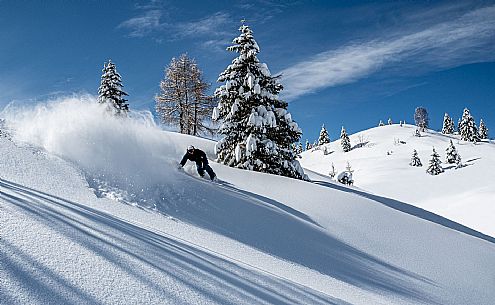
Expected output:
(210, 172)
(200, 169)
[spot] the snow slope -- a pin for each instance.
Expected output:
(465, 195)
(94, 211)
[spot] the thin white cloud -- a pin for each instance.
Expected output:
(210, 29)
(144, 24)
(466, 39)
(216, 45)
(212, 25)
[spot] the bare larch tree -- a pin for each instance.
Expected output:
(183, 100)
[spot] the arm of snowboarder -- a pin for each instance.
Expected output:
(184, 160)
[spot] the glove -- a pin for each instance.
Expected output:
(179, 166)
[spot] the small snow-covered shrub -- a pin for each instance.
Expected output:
(345, 177)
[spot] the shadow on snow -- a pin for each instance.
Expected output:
(129, 248)
(249, 218)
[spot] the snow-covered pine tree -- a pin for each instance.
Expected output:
(307, 146)
(183, 101)
(323, 138)
(448, 124)
(389, 122)
(298, 148)
(346, 176)
(415, 161)
(468, 129)
(483, 130)
(381, 123)
(451, 127)
(434, 166)
(445, 123)
(451, 153)
(257, 128)
(459, 126)
(345, 142)
(417, 133)
(110, 90)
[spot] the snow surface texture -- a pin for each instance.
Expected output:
(251, 239)
(380, 159)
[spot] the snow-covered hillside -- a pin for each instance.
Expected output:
(381, 166)
(94, 211)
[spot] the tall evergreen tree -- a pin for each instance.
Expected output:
(468, 129)
(345, 142)
(415, 161)
(257, 128)
(451, 153)
(448, 124)
(323, 138)
(110, 91)
(451, 127)
(434, 166)
(381, 123)
(483, 132)
(389, 122)
(183, 100)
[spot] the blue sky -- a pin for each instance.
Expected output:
(346, 63)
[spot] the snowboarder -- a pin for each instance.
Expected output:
(198, 156)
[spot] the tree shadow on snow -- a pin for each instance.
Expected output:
(359, 145)
(472, 160)
(238, 215)
(261, 223)
(150, 257)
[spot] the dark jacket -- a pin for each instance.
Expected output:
(197, 156)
